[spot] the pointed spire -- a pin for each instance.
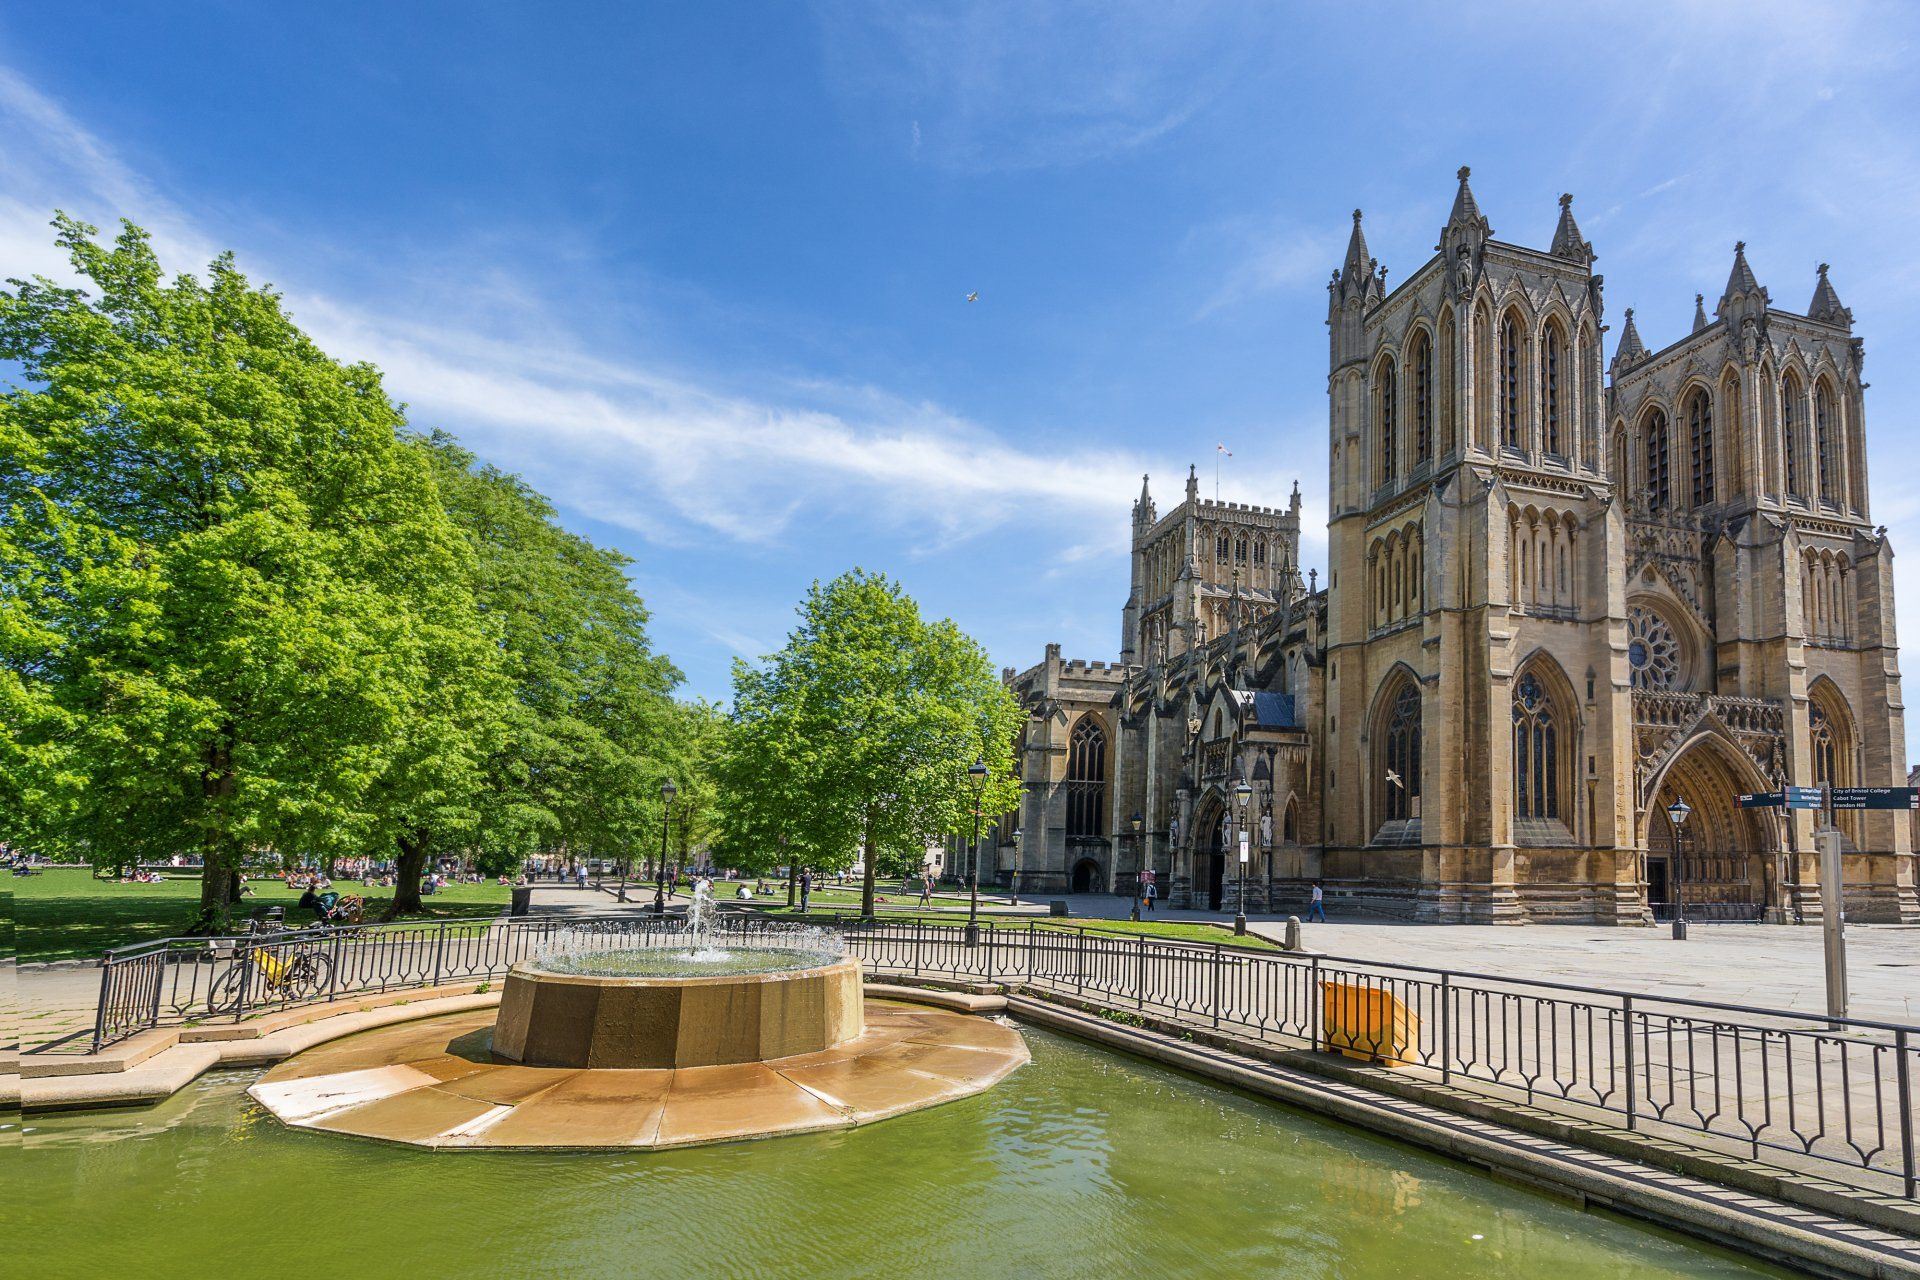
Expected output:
(1465, 224)
(1359, 263)
(1699, 312)
(1293, 504)
(1567, 241)
(1466, 210)
(1825, 306)
(1193, 482)
(1631, 350)
(1145, 496)
(1742, 288)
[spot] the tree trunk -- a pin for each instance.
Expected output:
(793, 876)
(867, 871)
(219, 863)
(409, 867)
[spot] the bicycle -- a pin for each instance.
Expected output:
(304, 974)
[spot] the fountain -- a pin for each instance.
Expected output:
(663, 1037)
(679, 999)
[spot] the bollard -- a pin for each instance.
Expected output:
(1292, 942)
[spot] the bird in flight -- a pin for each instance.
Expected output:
(974, 296)
(1394, 778)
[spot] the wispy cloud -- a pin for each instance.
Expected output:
(994, 85)
(620, 438)
(1267, 258)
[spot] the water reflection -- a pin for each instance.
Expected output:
(1082, 1164)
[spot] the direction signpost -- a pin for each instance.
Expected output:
(1827, 841)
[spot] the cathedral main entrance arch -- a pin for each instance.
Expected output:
(1210, 853)
(1722, 861)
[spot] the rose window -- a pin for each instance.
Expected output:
(1652, 650)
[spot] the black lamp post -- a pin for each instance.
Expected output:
(1013, 900)
(1677, 814)
(977, 779)
(667, 792)
(1241, 794)
(1139, 855)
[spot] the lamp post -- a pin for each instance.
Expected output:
(977, 779)
(667, 792)
(1241, 794)
(1677, 814)
(1135, 823)
(1013, 900)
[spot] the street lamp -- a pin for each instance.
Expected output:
(1677, 814)
(667, 792)
(1139, 880)
(1241, 794)
(1014, 899)
(977, 779)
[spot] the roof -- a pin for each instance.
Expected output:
(1274, 711)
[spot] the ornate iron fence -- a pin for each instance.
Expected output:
(1764, 1083)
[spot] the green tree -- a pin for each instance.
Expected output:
(223, 559)
(856, 737)
(590, 728)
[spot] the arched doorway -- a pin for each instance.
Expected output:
(1086, 876)
(1209, 852)
(1721, 861)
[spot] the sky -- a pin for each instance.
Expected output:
(700, 272)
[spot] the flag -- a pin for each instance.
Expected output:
(1220, 448)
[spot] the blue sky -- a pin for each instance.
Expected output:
(698, 271)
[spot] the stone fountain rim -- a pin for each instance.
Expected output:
(530, 971)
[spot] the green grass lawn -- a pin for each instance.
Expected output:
(66, 914)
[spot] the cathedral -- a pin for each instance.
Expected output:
(1562, 594)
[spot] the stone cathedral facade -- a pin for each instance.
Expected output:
(1562, 592)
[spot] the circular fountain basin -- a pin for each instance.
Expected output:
(649, 1009)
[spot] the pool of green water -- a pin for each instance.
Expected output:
(1082, 1164)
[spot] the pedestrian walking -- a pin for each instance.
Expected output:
(1151, 895)
(1317, 904)
(926, 889)
(806, 888)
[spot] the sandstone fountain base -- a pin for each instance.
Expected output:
(567, 1020)
(438, 1082)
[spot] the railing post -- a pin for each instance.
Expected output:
(1215, 1001)
(1032, 970)
(1317, 1001)
(1626, 1031)
(1903, 1072)
(1140, 972)
(1080, 962)
(100, 1009)
(439, 951)
(1446, 1027)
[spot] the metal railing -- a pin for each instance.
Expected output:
(1838, 1095)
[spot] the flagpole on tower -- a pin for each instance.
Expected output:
(1218, 450)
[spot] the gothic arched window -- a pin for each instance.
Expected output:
(1389, 421)
(1220, 548)
(1399, 755)
(1536, 756)
(1793, 425)
(1700, 446)
(1553, 359)
(1422, 398)
(1823, 439)
(1659, 488)
(1087, 779)
(1510, 432)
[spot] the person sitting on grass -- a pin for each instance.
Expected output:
(320, 903)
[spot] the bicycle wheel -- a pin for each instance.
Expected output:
(227, 989)
(308, 976)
